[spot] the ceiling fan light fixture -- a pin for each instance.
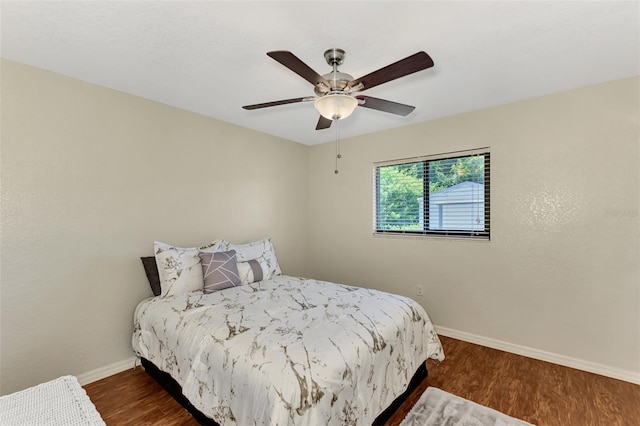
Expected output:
(336, 106)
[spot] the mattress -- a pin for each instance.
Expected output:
(287, 351)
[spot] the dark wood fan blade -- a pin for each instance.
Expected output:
(275, 103)
(292, 62)
(384, 105)
(323, 123)
(414, 63)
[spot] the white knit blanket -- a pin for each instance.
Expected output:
(60, 402)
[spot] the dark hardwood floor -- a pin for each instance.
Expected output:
(535, 391)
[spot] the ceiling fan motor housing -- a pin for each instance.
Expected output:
(339, 82)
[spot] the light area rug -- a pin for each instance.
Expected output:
(439, 408)
(60, 402)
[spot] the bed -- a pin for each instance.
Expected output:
(287, 350)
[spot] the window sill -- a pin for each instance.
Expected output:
(431, 237)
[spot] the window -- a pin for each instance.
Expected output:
(439, 195)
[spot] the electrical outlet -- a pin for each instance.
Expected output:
(419, 291)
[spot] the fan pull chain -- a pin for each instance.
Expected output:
(338, 155)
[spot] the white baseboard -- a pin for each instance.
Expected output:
(106, 371)
(579, 364)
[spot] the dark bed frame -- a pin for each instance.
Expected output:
(174, 389)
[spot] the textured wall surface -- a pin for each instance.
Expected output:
(561, 272)
(90, 177)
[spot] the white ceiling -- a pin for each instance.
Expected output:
(210, 57)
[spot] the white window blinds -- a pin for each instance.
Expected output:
(443, 195)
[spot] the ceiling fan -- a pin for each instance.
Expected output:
(335, 99)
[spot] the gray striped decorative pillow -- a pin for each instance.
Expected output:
(252, 270)
(261, 250)
(220, 270)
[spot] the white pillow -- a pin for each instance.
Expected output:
(180, 268)
(261, 250)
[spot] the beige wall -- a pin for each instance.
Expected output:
(561, 272)
(90, 177)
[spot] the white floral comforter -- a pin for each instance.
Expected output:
(287, 351)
